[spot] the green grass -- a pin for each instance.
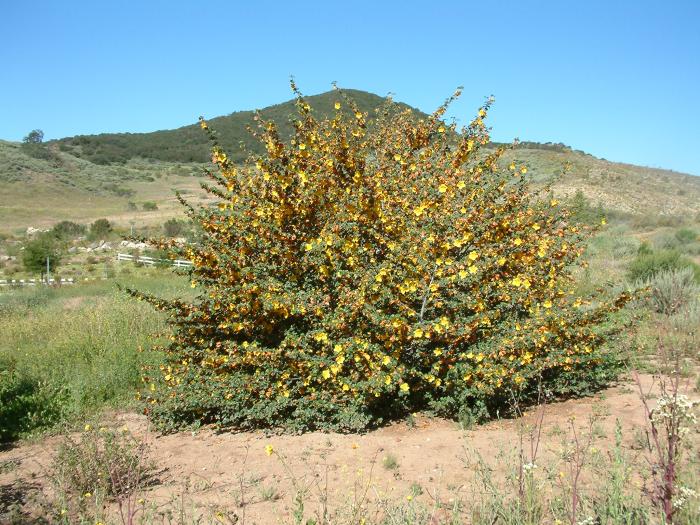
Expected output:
(73, 351)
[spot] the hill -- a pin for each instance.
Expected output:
(189, 144)
(112, 175)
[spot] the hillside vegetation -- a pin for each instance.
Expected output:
(189, 144)
(86, 177)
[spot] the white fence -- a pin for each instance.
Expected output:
(34, 282)
(150, 261)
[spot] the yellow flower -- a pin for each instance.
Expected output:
(547, 304)
(87, 494)
(302, 146)
(387, 380)
(472, 269)
(473, 255)
(326, 374)
(442, 188)
(553, 202)
(358, 115)
(418, 333)
(441, 129)
(501, 261)
(603, 221)
(87, 427)
(337, 105)
(404, 387)
(523, 170)
(518, 241)
(269, 449)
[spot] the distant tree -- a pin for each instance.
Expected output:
(35, 136)
(100, 228)
(38, 250)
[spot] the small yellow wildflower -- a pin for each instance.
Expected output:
(269, 449)
(404, 387)
(442, 188)
(337, 105)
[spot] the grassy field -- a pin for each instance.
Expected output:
(66, 353)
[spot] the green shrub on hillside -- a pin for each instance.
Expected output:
(649, 263)
(68, 230)
(100, 229)
(686, 235)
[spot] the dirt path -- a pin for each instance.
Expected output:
(232, 473)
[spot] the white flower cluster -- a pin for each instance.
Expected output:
(684, 494)
(678, 407)
(528, 467)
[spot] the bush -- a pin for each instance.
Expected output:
(23, 404)
(686, 235)
(173, 228)
(370, 268)
(673, 289)
(68, 230)
(649, 263)
(100, 229)
(150, 206)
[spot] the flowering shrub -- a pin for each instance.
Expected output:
(368, 267)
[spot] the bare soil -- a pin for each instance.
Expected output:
(231, 473)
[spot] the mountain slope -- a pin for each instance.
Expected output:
(72, 179)
(189, 144)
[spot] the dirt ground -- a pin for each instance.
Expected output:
(232, 474)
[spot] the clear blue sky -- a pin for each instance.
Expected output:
(619, 79)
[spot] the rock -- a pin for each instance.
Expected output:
(31, 231)
(133, 245)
